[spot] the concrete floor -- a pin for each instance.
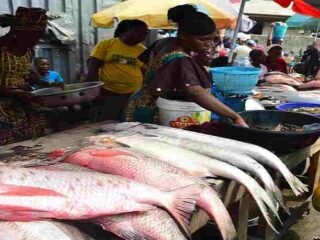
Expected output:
(306, 229)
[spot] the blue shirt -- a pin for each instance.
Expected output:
(52, 76)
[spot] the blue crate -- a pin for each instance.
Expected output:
(235, 80)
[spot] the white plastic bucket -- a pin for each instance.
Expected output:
(181, 114)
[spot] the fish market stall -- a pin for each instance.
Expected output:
(238, 201)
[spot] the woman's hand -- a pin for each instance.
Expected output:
(239, 121)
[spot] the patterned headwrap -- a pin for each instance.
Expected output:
(25, 19)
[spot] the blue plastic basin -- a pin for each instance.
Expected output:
(235, 80)
(286, 106)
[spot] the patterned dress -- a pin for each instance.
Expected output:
(169, 71)
(17, 121)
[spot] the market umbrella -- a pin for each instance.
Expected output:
(154, 13)
(231, 7)
(301, 21)
(304, 7)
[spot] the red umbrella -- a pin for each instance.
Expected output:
(304, 7)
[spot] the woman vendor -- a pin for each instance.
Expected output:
(115, 62)
(173, 74)
(17, 121)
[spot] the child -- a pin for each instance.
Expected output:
(42, 67)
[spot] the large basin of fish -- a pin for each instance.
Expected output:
(277, 141)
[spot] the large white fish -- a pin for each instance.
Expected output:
(151, 225)
(184, 159)
(160, 174)
(35, 194)
(40, 230)
(258, 153)
(239, 160)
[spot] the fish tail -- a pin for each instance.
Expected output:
(214, 207)
(296, 185)
(268, 199)
(181, 204)
(264, 212)
(276, 193)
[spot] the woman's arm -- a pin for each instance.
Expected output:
(93, 69)
(206, 100)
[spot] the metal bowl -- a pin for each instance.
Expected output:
(71, 94)
(279, 142)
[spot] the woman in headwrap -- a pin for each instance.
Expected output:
(17, 121)
(172, 73)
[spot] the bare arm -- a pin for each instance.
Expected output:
(270, 34)
(206, 100)
(93, 69)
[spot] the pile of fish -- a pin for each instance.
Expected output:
(140, 181)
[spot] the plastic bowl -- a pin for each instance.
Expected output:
(286, 106)
(235, 80)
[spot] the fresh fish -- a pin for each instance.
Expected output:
(159, 174)
(239, 160)
(34, 194)
(152, 225)
(39, 230)
(183, 159)
(258, 153)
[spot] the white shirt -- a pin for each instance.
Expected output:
(242, 51)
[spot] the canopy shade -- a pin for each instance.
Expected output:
(304, 7)
(154, 13)
(301, 21)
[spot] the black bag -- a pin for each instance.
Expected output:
(310, 63)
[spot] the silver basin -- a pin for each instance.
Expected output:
(72, 94)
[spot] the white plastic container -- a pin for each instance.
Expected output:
(181, 114)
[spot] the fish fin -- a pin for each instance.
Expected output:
(108, 153)
(122, 229)
(123, 145)
(182, 204)
(23, 214)
(25, 191)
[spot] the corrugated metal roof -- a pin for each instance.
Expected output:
(264, 7)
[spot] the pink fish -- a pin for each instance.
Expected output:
(128, 163)
(152, 225)
(35, 194)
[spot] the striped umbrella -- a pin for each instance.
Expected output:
(304, 7)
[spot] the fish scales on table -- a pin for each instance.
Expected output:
(260, 154)
(193, 163)
(34, 194)
(40, 230)
(131, 164)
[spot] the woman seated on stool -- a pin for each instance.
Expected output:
(173, 74)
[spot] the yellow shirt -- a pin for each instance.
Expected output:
(121, 71)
